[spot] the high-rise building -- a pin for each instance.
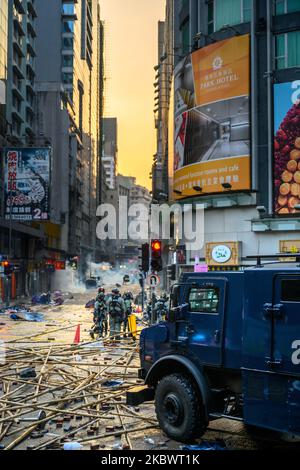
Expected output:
(110, 151)
(3, 77)
(69, 92)
(20, 91)
(232, 57)
(163, 82)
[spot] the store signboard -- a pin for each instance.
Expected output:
(223, 254)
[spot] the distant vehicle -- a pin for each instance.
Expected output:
(91, 284)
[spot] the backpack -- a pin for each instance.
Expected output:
(115, 307)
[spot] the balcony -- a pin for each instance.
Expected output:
(18, 71)
(17, 116)
(30, 85)
(30, 47)
(31, 29)
(19, 6)
(18, 25)
(17, 90)
(31, 8)
(18, 45)
(30, 69)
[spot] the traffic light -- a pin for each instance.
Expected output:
(156, 259)
(145, 256)
(8, 267)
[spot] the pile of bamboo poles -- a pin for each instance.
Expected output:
(69, 387)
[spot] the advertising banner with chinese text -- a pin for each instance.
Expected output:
(27, 181)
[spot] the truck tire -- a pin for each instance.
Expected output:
(179, 409)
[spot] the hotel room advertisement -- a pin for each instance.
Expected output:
(212, 119)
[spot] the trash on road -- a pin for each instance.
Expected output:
(27, 373)
(27, 316)
(113, 383)
(206, 445)
(72, 446)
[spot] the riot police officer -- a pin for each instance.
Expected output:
(116, 310)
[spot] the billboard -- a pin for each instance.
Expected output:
(27, 181)
(286, 147)
(212, 118)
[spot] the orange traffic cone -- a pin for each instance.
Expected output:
(77, 336)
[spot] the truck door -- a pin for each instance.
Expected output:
(285, 324)
(206, 304)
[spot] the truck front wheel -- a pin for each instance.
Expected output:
(179, 409)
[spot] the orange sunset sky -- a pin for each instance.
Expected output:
(131, 53)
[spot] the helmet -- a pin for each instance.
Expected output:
(115, 291)
(101, 290)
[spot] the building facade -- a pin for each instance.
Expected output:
(250, 214)
(20, 92)
(110, 151)
(163, 81)
(69, 74)
(3, 81)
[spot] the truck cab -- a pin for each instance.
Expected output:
(230, 347)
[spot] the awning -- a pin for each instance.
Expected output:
(22, 228)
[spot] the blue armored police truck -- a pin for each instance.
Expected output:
(230, 347)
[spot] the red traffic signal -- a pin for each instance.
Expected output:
(156, 245)
(8, 267)
(156, 259)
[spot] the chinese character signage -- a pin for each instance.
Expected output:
(212, 119)
(27, 181)
(287, 147)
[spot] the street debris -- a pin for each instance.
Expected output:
(112, 383)
(72, 446)
(90, 303)
(206, 445)
(69, 396)
(27, 316)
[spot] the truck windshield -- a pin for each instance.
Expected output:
(204, 300)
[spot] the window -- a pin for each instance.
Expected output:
(185, 37)
(287, 50)
(286, 6)
(67, 61)
(68, 43)
(290, 290)
(228, 12)
(210, 14)
(68, 26)
(67, 78)
(68, 9)
(204, 300)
